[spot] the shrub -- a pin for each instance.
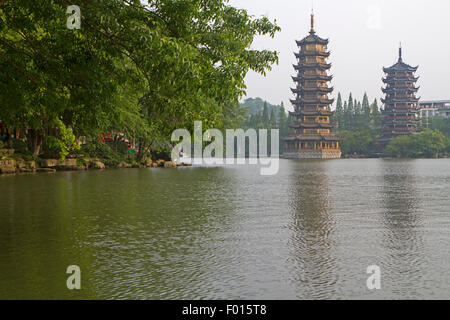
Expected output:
(97, 149)
(427, 144)
(81, 162)
(19, 146)
(61, 145)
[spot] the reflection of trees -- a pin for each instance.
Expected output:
(38, 229)
(134, 233)
(312, 240)
(156, 232)
(402, 237)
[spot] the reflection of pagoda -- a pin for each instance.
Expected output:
(400, 103)
(313, 137)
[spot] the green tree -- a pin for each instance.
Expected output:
(265, 116)
(440, 123)
(358, 142)
(140, 69)
(427, 144)
(366, 120)
(339, 111)
(366, 106)
(345, 117)
(273, 118)
(375, 115)
(283, 121)
(349, 115)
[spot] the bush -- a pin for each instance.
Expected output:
(97, 149)
(359, 142)
(81, 162)
(427, 144)
(19, 146)
(61, 145)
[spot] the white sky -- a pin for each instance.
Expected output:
(364, 36)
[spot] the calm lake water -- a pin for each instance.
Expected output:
(228, 233)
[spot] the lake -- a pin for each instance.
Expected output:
(309, 232)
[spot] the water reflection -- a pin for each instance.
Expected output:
(404, 263)
(312, 242)
(163, 249)
(229, 233)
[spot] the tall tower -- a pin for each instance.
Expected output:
(400, 102)
(314, 137)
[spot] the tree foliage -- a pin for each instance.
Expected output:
(427, 144)
(140, 69)
(357, 116)
(358, 142)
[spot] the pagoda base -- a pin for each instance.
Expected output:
(313, 155)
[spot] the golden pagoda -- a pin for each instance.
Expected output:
(314, 136)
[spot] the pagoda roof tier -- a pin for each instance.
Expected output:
(312, 77)
(400, 66)
(403, 79)
(302, 54)
(315, 65)
(400, 90)
(311, 113)
(311, 125)
(319, 101)
(312, 38)
(400, 100)
(312, 137)
(315, 89)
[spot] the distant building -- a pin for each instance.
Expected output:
(400, 102)
(434, 108)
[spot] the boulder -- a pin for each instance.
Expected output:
(20, 164)
(8, 166)
(67, 164)
(97, 165)
(160, 163)
(72, 162)
(148, 162)
(49, 163)
(31, 164)
(124, 165)
(170, 164)
(26, 166)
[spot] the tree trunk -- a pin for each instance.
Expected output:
(35, 140)
(142, 150)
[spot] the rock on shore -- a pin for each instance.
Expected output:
(10, 165)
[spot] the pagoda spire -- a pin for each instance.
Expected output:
(312, 22)
(400, 53)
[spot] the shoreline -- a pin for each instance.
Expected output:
(13, 165)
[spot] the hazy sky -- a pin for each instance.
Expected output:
(364, 36)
